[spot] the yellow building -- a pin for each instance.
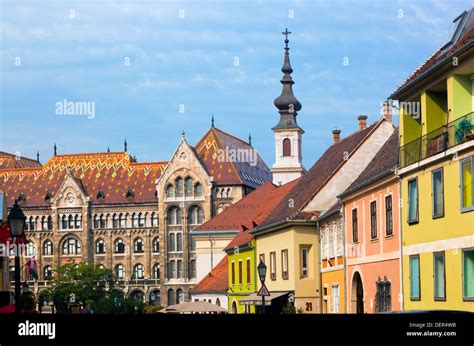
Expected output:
(436, 165)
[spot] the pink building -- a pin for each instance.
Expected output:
(372, 235)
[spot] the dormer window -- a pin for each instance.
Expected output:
(100, 195)
(21, 198)
(129, 194)
(48, 197)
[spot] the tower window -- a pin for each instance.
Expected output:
(286, 147)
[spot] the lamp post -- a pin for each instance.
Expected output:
(262, 272)
(17, 219)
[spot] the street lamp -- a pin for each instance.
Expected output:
(262, 272)
(17, 219)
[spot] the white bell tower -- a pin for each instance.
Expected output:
(288, 164)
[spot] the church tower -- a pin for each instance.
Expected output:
(288, 159)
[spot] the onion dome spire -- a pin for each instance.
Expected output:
(287, 104)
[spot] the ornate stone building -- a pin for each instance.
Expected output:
(135, 218)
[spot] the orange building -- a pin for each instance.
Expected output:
(372, 235)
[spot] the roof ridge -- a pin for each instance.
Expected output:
(230, 135)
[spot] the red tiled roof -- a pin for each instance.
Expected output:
(383, 163)
(310, 183)
(229, 172)
(436, 58)
(216, 280)
(10, 161)
(112, 173)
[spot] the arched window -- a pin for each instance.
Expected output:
(47, 273)
(134, 220)
(44, 223)
(179, 216)
(170, 297)
(138, 272)
(198, 190)
(195, 215)
(141, 220)
(180, 269)
(179, 242)
(170, 192)
(138, 245)
(119, 246)
(286, 147)
(179, 296)
(122, 220)
(77, 221)
(30, 249)
(100, 246)
(179, 187)
(120, 271)
(156, 245)
(63, 222)
(32, 223)
(172, 242)
(154, 219)
(175, 216)
(171, 269)
(70, 223)
(115, 221)
(96, 221)
(188, 191)
(47, 248)
(50, 222)
(71, 246)
(156, 271)
(103, 221)
(192, 269)
(218, 302)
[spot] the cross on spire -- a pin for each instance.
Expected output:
(286, 33)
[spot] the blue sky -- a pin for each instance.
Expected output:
(190, 61)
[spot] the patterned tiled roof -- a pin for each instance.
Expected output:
(112, 173)
(229, 171)
(216, 280)
(10, 161)
(383, 163)
(310, 183)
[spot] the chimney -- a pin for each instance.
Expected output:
(362, 121)
(387, 111)
(336, 136)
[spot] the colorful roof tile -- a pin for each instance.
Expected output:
(216, 280)
(10, 161)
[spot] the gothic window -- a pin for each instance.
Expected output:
(50, 222)
(383, 296)
(44, 223)
(47, 248)
(71, 246)
(96, 221)
(156, 245)
(156, 271)
(120, 271)
(189, 187)
(179, 187)
(175, 216)
(192, 269)
(121, 220)
(103, 221)
(114, 221)
(141, 220)
(134, 220)
(198, 190)
(154, 219)
(70, 223)
(179, 242)
(170, 192)
(138, 273)
(195, 215)
(119, 246)
(77, 221)
(172, 242)
(138, 245)
(32, 223)
(99, 247)
(180, 269)
(172, 269)
(47, 273)
(286, 147)
(30, 249)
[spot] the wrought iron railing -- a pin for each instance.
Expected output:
(454, 133)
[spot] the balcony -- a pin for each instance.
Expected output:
(454, 133)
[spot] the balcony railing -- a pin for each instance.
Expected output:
(454, 133)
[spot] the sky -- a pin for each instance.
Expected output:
(154, 68)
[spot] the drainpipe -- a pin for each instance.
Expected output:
(318, 233)
(343, 225)
(400, 205)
